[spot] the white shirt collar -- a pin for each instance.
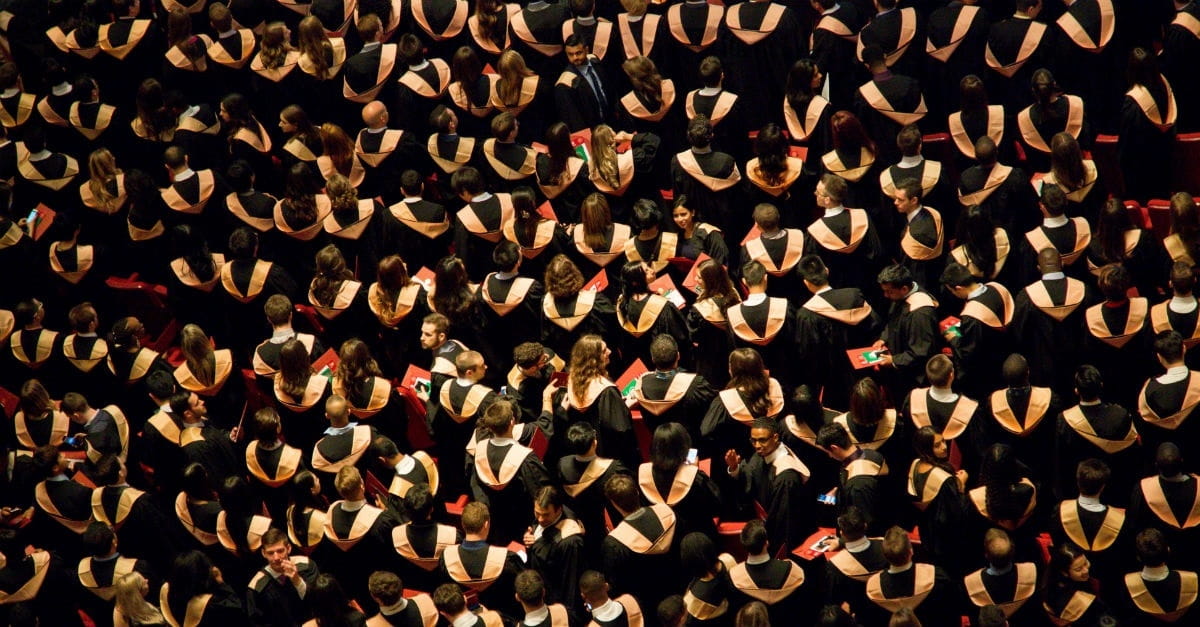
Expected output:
(371, 46)
(538, 616)
(1056, 222)
(10, 92)
(41, 155)
(858, 546)
(608, 612)
(942, 395)
(388, 610)
(834, 211)
(420, 66)
(709, 91)
(352, 506)
(279, 336)
(912, 215)
(412, 200)
(406, 465)
(61, 89)
(979, 291)
(183, 175)
(1174, 375)
(229, 33)
(831, 10)
(466, 619)
(755, 299)
(482, 197)
(911, 162)
(758, 559)
(1091, 503)
(1054, 276)
(586, 20)
(900, 569)
(1182, 304)
(1155, 573)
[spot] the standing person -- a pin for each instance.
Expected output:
(278, 593)
(1147, 128)
(195, 593)
(861, 479)
(505, 475)
(937, 491)
(1094, 429)
(774, 478)
(591, 396)
(923, 588)
(708, 178)
(911, 335)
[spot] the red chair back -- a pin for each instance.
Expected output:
(1108, 165)
(1187, 164)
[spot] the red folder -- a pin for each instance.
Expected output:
(951, 324)
(626, 382)
(328, 360)
(547, 211)
(599, 282)
(45, 217)
(416, 377)
(664, 286)
(425, 277)
(864, 357)
(691, 280)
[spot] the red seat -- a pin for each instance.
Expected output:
(940, 147)
(256, 398)
(309, 315)
(8, 402)
(642, 433)
(148, 303)
(1138, 215)
(729, 539)
(1108, 165)
(1160, 217)
(1187, 164)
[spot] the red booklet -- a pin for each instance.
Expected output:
(45, 217)
(599, 282)
(865, 357)
(326, 364)
(546, 211)
(626, 382)
(417, 378)
(425, 277)
(665, 287)
(951, 325)
(691, 280)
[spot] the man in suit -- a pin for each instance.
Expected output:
(581, 95)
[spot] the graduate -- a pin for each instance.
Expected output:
(509, 301)
(1005, 582)
(668, 479)
(562, 176)
(1166, 500)
(935, 182)
(369, 74)
(694, 31)
(584, 475)
(982, 331)
(478, 224)
(778, 583)
(889, 101)
(1116, 331)
(506, 475)
(954, 417)
(707, 177)
(590, 396)
(1023, 416)
(1094, 429)
(555, 545)
(635, 554)
(537, 32)
(937, 492)
(533, 366)
(774, 478)
(644, 315)
(763, 322)
(1048, 322)
(1091, 522)
(1157, 591)
(422, 540)
(507, 164)
(997, 189)
(777, 249)
(1016, 46)
(921, 587)
(486, 569)
(458, 405)
(922, 239)
(766, 38)
(844, 238)
(669, 394)
(360, 532)
(750, 394)
(911, 335)
(955, 38)
(1165, 402)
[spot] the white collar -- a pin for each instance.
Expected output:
(708, 91)
(1174, 374)
(635, 18)
(376, 131)
(279, 336)
(352, 506)
(834, 211)
(498, 441)
(405, 465)
(912, 215)
(505, 276)
(341, 430)
(466, 619)
(229, 33)
(892, 570)
(10, 92)
(831, 10)
(1054, 276)
(1155, 573)
(61, 89)
(183, 175)
(1091, 503)
(41, 155)
(942, 395)
(418, 67)
(911, 162)
(977, 292)
(538, 616)
(586, 20)
(858, 546)
(754, 560)
(608, 612)
(412, 200)
(371, 46)
(755, 299)
(1083, 403)
(1056, 222)
(1183, 304)
(482, 197)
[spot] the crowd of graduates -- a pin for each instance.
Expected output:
(460, 312)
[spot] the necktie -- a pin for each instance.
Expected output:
(594, 81)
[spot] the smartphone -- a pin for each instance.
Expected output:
(504, 390)
(32, 217)
(692, 456)
(827, 499)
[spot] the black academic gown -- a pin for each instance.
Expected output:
(827, 325)
(979, 351)
(505, 479)
(637, 553)
(1049, 329)
(1103, 431)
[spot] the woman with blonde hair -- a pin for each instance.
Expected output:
(569, 311)
(518, 90)
(590, 396)
(276, 58)
(750, 394)
(339, 299)
(131, 608)
(598, 240)
(338, 155)
(399, 304)
(622, 166)
(104, 190)
(706, 320)
(354, 225)
(651, 99)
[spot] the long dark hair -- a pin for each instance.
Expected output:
(558, 140)
(191, 576)
(300, 194)
(1110, 231)
(633, 283)
(194, 251)
(799, 91)
(978, 236)
(452, 295)
(669, 448)
(771, 147)
(330, 605)
(238, 502)
(526, 217)
(748, 375)
(923, 445)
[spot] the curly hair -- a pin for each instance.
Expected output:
(563, 278)
(331, 273)
(587, 365)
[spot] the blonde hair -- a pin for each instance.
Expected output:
(131, 603)
(634, 7)
(102, 167)
(645, 79)
(587, 365)
(275, 45)
(342, 195)
(513, 71)
(198, 352)
(313, 42)
(604, 155)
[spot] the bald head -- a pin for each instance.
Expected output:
(374, 114)
(1049, 260)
